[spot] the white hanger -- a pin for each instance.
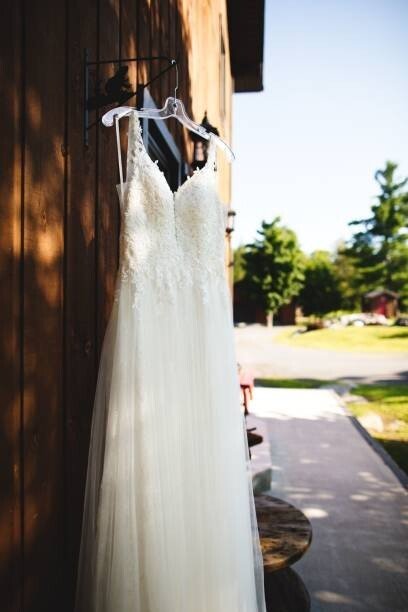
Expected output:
(173, 107)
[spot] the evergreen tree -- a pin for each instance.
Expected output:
(379, 249)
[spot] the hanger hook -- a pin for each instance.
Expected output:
(174, 63)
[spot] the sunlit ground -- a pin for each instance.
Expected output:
(357, 506)
(370, 338)
(388, 402)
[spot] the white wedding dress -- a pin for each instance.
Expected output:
(169, 521)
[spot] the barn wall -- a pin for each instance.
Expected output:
(59, 253)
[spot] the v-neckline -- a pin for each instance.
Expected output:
(196, 172)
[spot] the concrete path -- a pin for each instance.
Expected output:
(258, 349)
(358, 560)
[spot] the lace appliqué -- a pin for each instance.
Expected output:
(201, 226)
(169, 240)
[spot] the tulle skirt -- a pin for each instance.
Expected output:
(169, 521)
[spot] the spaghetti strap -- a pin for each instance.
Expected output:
(119, 160)
(212, 153)
(135, 145)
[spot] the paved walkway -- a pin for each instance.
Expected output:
(258, 349)
(359, 510)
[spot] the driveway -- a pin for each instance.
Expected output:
(258, 350)
(321, 463)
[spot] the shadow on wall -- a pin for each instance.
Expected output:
(59, 256)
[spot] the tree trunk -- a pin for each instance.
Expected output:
(269, 319)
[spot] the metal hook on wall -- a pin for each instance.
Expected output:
(117, 90)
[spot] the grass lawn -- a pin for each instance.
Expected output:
(291, 383)
(371, 338)
(390, 402)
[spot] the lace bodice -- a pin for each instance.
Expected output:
(169, 239)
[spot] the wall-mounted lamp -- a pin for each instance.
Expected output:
(201, 144)
(230, 221)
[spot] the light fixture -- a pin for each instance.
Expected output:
(230, 221)
(201, 144)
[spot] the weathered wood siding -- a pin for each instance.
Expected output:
(59, 253)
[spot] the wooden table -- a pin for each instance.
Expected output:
(285, 535)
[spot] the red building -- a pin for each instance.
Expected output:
(381, 301)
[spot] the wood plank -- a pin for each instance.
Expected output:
(184, 91)
(80, 347)
(164, 43)
(10, 299)
(156, 65)
(128, 37)
(107, 212)
(175, 47)
(43, 304)
(143, 40)
(128, 48)
(172, 22)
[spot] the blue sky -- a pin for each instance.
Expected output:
(333, 109)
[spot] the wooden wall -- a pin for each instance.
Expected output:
(59, 254)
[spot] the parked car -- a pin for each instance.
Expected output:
(361, 319)
(364, 318)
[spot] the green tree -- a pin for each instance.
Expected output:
(321, 291)
(274, 266)
(239, 263)
(379, 249)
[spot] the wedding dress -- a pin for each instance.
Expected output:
(169, 521)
